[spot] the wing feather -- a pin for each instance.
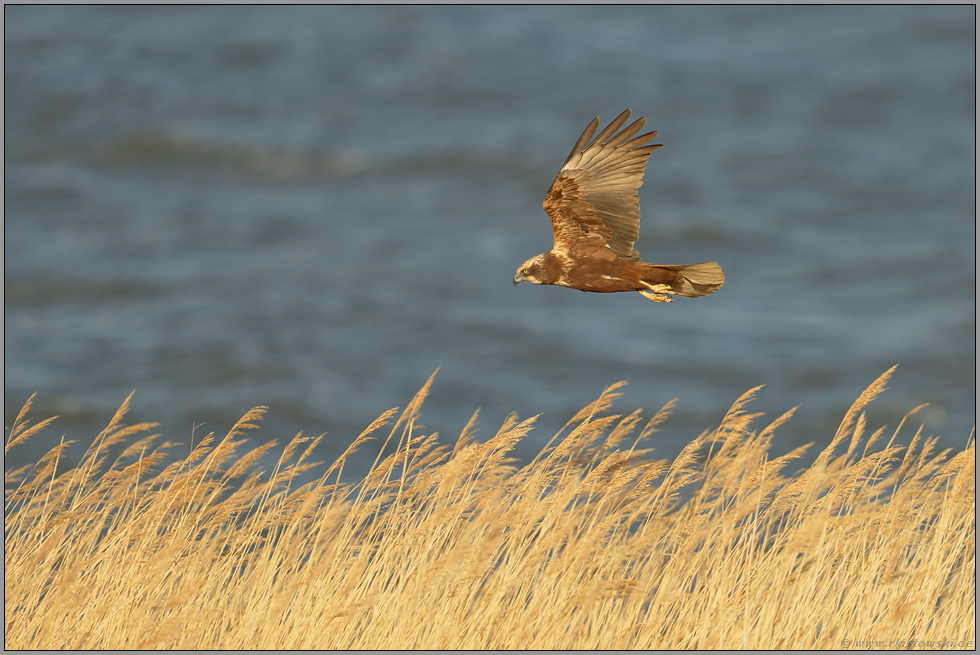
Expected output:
(582, 140)
(594, 196)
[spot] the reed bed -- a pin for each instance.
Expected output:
(593, 544)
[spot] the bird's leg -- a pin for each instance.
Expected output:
(658, 292)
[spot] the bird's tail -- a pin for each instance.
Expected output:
(695, 280)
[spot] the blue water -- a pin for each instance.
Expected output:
(315, 208)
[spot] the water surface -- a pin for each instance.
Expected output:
(315, 208)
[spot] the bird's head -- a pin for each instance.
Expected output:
(529, 271)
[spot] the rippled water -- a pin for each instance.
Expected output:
(315, 208)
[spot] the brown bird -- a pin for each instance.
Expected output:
(595, 214)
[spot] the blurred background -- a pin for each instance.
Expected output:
(315, 208)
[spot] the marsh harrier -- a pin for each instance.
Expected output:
(595, 215)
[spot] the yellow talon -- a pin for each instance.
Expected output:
(656, 297)
(658, 292)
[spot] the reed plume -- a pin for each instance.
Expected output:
(592, 544)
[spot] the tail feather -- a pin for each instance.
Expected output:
(696, 279)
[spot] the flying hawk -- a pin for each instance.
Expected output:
(595, 214)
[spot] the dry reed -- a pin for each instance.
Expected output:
(591, 545)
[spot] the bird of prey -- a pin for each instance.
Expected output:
(595, 215)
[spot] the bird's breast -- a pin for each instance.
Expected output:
(601, 275)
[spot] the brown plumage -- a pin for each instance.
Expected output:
(595, 215)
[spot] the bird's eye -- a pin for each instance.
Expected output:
(525, 271)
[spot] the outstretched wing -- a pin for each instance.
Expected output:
(594, 196)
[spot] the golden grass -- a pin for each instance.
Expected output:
(591, 545)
